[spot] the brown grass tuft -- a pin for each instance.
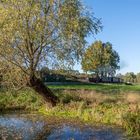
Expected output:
(133, 98)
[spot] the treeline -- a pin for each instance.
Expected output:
(59, 75)
(130, 77)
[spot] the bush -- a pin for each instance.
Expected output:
(131, 122)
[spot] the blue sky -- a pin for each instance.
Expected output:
(121, 27)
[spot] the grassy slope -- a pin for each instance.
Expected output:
(25, 99)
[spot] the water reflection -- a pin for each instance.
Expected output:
(70, 133)
(20, 127)
(36, 127)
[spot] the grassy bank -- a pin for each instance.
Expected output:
(121, 108)
(25, 99)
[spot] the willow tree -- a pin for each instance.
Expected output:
(33, 32)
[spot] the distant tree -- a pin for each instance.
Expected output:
(101, 58)
(130, 77)
(119, 75)
(138, 77)
(44, 70)
(92, 58)
(33, 32)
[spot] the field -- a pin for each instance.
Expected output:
(111, 104)
(99, 87)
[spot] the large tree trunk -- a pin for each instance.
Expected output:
(43, 90)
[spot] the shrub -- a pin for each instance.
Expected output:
(131, 122)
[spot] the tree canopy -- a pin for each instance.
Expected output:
(101, 58)
(138, 77)
(130, 77)
(38, 32)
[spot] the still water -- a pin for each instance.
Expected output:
(38, 127)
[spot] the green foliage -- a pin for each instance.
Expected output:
(33, 32)
(59, 75)
(104, 88)
(25, 99)
(138, 78)
(129, 77)
(67, 97)
(11, 77)
(105, 108)
(93, 57)
(86, 105)
(38, 32)
(100, 58)
(131, 122)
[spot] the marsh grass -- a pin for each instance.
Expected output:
(93, 106)
(121, 109)
(132, 97)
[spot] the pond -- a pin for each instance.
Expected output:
(37, 127)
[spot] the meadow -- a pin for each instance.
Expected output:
(109, 104)
(99, 87)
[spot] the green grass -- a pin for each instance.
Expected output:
(122, 109)
(25, 99)
(100, 87)
(112, 104)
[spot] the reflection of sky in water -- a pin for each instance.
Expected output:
(19, 127)
(24, 128)
(70, 133)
